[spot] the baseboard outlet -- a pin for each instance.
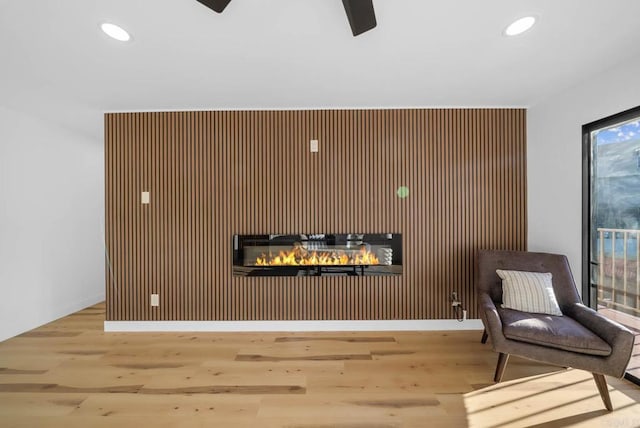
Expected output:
(291, 326)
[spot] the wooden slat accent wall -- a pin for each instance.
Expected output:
(213, 174)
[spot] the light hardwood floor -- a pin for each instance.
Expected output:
(70, 373)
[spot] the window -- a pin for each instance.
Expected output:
(611, 221)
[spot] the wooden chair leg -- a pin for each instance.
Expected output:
(601, 383)
(502, 364)
(485, 336)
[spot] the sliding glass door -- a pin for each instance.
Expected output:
(611, 221)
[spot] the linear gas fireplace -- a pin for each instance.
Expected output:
(371, 254)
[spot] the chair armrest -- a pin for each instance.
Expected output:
(490, 318)
(610, 331)
(616, 335)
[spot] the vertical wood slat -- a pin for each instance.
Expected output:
(215, 174)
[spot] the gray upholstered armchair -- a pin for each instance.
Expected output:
(581, 338)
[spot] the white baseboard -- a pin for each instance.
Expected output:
(291, 326)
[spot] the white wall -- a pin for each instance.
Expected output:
(51, 210)
(554, 156)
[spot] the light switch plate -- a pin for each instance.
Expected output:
(155, 300)
(314, 146)
(145, 198)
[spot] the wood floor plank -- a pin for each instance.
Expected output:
(63, 389)
(45, 404)
(350, 339)
(337, 357)
(53, 333)
(111, 421)
(220, 405)
(8, 371)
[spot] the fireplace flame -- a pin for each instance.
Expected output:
(298, 256)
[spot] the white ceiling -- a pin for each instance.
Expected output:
(272, 54)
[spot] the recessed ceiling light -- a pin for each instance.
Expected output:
(520, 26)
(116, 32)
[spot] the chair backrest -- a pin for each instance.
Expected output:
(487, 280)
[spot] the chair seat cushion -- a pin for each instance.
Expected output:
(553, 331)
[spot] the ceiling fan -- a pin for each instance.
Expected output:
(359, 12)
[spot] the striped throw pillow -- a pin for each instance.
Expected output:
(528, 292)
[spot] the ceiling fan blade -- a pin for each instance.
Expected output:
(361, 15)
(217, 5)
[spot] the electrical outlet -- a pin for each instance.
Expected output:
(454, 299)
(155, 300)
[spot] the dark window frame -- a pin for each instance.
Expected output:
(586, 190)
(588, 292)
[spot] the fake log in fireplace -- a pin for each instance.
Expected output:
(317, 255)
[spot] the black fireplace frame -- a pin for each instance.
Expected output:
(387, 244)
